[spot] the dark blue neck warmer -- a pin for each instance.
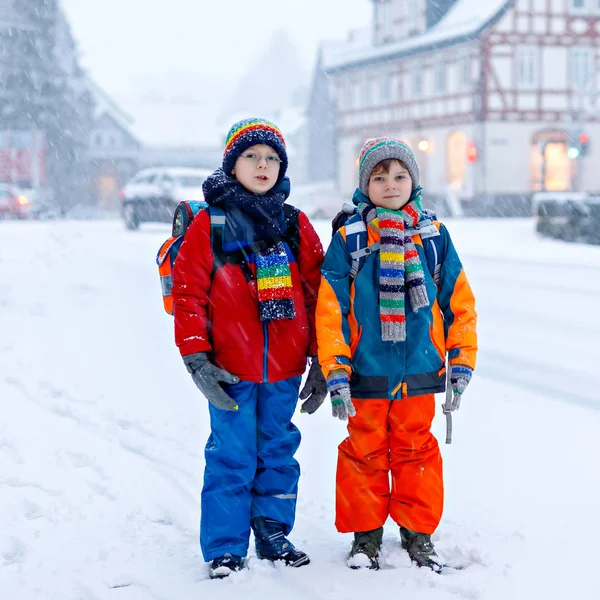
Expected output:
(250, 217)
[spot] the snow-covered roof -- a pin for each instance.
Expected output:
(465, 20)
(104, 104)
(357, 39)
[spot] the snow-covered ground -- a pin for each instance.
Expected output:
(102, 433)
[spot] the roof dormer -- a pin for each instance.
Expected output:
(394, 20)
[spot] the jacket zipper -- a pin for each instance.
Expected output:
(265, 352)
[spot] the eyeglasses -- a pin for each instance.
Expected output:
(255, 158)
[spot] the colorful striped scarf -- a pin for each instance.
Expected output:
(252, 218)
(400, 267)
(274, 284)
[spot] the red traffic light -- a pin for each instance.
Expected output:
(584, 138)
(471, 152)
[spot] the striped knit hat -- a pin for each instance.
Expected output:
(378, 149)
(249, 132)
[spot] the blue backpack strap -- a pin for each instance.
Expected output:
(433, 244)
(217, 231)
(356, 243)
(218, 219)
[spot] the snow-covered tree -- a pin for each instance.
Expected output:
(41, 91)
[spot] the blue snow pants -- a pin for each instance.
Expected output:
(250, 466)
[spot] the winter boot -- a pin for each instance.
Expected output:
(365, 549)
(225, 565)
(271, 543)
(420, 549)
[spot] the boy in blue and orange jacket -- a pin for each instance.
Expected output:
(244, 324)
(383, 332)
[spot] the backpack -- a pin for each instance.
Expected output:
(182, 219)
(356, 241)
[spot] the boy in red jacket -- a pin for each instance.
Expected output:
(244, 324)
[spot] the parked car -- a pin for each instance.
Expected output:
(593, 220)
(568, 216)
(153, 194)
(14, 203)
(41, 204)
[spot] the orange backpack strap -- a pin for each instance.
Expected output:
(163, 251)
(165, 259)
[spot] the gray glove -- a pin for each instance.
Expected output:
(339, 390)
(315, 388)
(207, 377)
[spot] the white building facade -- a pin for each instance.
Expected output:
(496, 97)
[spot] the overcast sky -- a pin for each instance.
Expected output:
(130, 45)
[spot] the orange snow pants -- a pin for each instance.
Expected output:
(390, 436)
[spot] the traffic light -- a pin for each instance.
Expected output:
(471, 151)
(584, 144)
(573, 152)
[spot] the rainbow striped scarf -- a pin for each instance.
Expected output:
(400, 267)
(274, 284)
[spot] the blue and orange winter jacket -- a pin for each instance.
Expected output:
(349, 326)
(219, 313)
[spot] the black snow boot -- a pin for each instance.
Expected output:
(225, 565)
(420, 549)
(271, 543)
(365, 549)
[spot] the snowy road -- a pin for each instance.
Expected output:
(102, 433)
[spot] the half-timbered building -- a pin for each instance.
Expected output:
(498, 98)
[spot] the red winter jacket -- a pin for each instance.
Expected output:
(220, 313)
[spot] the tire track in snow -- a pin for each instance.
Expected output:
(536, 376)
(535, 264)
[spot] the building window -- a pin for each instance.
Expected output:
(456, 160)
(365, 90)
(465, 70)
(527, 67)
(417, 81)
(550, 167)
(413, 16)
(440, 78)
(398, 89)
(345, 97)
(98, 140)
(385, 19)
(386, 87)
(578, 4)
(580, 68)
(355, 97)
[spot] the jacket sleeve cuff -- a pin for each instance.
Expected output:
(340, 362)
(193, 345)
(462, 356)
